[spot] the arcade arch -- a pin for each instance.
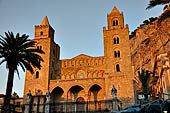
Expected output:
(75, 92)
(58, 94)
(95, 94)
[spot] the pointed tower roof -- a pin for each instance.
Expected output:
(45, 21)
(115, 9)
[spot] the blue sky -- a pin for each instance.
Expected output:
(78, 24)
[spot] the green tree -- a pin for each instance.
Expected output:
(144, 78)
(153, 3)
(17, 51)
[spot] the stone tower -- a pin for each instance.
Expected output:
(118, 71)
(38, 82)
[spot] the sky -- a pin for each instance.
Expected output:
(78, 25)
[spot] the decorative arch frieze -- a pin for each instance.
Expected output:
(95, 61)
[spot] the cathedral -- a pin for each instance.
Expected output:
(84, 78)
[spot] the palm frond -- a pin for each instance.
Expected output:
(28, 66)
(18, 74)
(19, 51)
(22, 66)
(2, 61)
(35, 51)
(153, 3)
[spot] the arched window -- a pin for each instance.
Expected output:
(118, 53)
(80, 74)
(117, 68)
(117, 40)
(37, 75)
(114, 40)
(116, 22)
(40, 47)
(41, 33)
(115, 54)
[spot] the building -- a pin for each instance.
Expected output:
(84, 78)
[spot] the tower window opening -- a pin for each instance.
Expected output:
(40, 47)
(115, 53)
(118, 54)
(116, 22)
(117, 40)
(117, 68)
(41, 33)
(37, 75)
(114, 40)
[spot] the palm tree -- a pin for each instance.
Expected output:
(144, 78)
(18, 51)
(153, 3)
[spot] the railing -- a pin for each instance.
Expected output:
(70, 107)
(12, 109)
(90, 106)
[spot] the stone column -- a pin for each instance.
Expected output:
(86, 102)
(28, 103)
(48, 102)
(75, 99)
(65, 102)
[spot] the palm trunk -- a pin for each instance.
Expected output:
(9, 89)
(145, 92)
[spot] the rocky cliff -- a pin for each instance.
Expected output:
(147, 43)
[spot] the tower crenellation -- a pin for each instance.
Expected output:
(44, 30)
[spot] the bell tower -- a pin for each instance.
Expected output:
(38, 82)
(44, 30)
(115, 19)
(118, 71)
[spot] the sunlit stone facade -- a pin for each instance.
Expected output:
(85, 78)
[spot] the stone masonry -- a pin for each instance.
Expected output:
(85, 78)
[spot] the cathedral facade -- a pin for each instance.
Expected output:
(84, 78)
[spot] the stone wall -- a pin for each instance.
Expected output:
(82, 66)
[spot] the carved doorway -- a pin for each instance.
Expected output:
(80, 104)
